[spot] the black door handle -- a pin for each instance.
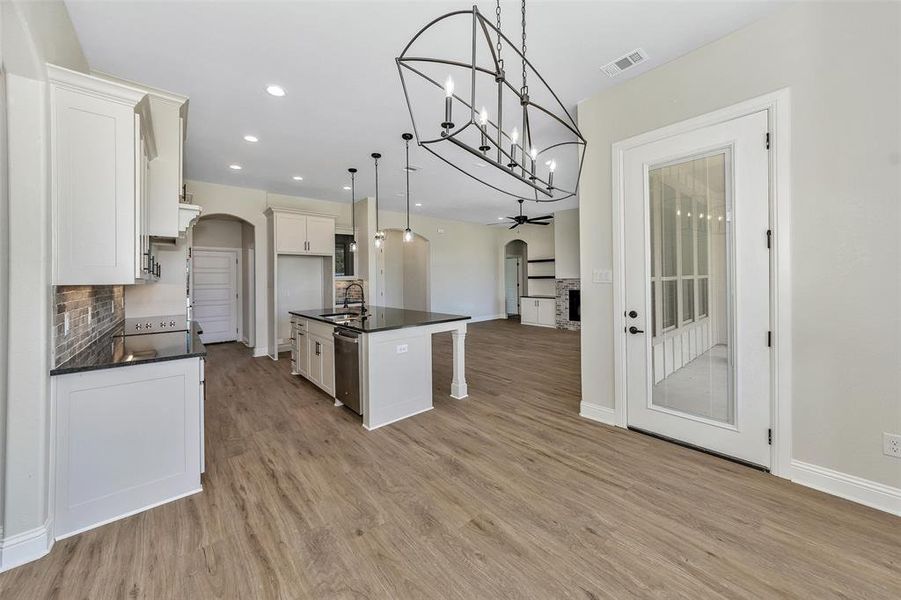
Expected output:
(632, 314)
(633, 330)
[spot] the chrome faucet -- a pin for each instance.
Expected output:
(362, 297)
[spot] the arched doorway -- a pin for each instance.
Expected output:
(403, 269)
(516, 257)
(222, 278)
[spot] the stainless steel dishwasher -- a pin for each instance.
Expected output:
(347, 368)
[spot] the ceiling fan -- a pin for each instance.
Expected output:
(524, 220)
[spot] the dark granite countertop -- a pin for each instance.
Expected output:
(381, 318)
(113, 349)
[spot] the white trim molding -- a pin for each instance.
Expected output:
(778, 107)
(596, 412)
(16, 550)
(487, 318)
(856, 489)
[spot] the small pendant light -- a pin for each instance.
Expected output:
(408, 233)
(353, 216)
(379, 234)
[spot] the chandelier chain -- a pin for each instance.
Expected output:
(525, 85)
(497, 12)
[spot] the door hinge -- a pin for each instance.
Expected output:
(767, 140)
(769, 339)
(769, 238)
(769, 436)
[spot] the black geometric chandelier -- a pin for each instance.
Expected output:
(516, 139)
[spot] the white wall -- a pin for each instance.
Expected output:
(842, 63)
(465, 264)
(30, 35)
(566, 243)
(211, 232)
(168, 295)
(248, 259)
(539, 240)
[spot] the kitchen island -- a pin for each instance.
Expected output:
(392, 348)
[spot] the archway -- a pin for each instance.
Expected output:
(516, 257)
(404, 272)
(222, 278)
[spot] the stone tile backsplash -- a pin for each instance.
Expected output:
(93, 311)
(341, 291)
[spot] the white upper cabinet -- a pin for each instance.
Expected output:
(290, 233)
(303, 234)
(169, 112)
(320, 235)
(94, 177)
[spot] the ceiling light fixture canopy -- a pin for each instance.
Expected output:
(529, 126)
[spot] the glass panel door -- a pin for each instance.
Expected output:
(691, 350)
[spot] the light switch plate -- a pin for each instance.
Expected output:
(602, 276)
(891, 445)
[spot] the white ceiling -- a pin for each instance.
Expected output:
(344, 100)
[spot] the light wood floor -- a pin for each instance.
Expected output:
(508, 494)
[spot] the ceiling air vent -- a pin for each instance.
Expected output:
(622, 63)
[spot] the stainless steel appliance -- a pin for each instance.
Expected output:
(347, 368)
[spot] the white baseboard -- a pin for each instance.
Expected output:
(849, 487)
(487, 318)
(260, 351)
(25, 547)
(596, 412)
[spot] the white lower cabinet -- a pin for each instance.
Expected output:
(127, 439)
(541, 312)
(313, 353)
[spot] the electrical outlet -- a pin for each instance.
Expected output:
(891, 444)
(66, 323)
(401, 348)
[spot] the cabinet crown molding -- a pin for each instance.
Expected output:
(274, 210)
(115, 92)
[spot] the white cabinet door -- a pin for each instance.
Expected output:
(316, 357)
(327, 379)
(528, 311)
(302, 342)
(290, 233)
(93, 188)
(127, 439)
(166, 168)
(547, 312)
(320, 235)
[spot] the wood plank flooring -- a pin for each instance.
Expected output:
(507, 494)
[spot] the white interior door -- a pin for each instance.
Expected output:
(215, 301)
(511, 284)
(696, 219)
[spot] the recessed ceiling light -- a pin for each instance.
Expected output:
(346, 187)
(275, 90)
(251, 138)
(297, 178)
(234, 167)
(419, 204)
(500, 218)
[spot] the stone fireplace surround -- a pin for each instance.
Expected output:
(562, 303)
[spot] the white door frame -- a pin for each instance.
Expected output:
(778, 107)
(239, 283)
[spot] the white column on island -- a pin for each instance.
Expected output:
(459, 389)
